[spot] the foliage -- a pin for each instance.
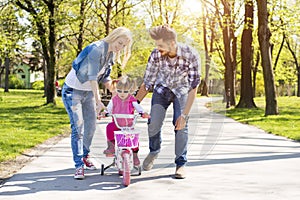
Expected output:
(15, 82)
(38, 85)
(139, 16)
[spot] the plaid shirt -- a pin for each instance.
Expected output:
(180, 77)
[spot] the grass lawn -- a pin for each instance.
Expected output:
(26, 121)
(286, 124)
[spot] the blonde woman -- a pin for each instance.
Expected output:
(81, 95)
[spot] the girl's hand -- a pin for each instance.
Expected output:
(102, 114)
(145, 115)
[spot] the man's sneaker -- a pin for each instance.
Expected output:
(149, 160)
(88, 163)
(180, 172)
(136, 160)
(79, 173)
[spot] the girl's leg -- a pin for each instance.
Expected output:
(110, 128)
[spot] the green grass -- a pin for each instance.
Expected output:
(26, 121)
(286, 124)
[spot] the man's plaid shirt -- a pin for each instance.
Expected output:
(180, 78)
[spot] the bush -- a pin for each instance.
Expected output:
(15, 83)
(38, 85)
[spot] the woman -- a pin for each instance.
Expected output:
(81, 95)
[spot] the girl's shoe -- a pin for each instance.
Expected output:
(110, 151)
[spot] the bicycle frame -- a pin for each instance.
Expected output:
(126, 139)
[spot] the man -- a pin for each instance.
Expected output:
(173, 71)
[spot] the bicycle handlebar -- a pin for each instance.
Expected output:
(126, 117)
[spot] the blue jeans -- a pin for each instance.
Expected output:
(159, 106)
(81, 108)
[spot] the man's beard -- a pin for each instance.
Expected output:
(168, 54)
(164, 53)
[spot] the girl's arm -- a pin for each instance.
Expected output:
(109, 107)
(140, 110)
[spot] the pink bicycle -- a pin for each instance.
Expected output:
(126, 139)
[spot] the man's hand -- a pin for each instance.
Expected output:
(180, 123)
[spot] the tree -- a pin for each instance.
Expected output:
(209, 29)
(47, 35)
(11, 33)
(264, 35)
(227, 23)
(246, 99)
(164, 12)
(294, 54)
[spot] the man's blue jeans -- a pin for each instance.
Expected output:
(81, 108)
(159, 105)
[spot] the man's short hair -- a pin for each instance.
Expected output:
(163, 32)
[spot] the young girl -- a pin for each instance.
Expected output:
(122, 103)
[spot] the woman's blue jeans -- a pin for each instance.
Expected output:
(81, 108)
(159, 105)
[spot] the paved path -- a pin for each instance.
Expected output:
(227, 160)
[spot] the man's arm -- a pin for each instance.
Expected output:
(190, 100)
(141, 93)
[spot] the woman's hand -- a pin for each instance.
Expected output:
(99, 107)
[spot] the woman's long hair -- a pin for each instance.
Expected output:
(117, 33)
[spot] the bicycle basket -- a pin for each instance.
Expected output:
(127, 138)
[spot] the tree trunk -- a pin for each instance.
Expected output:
(233, 68)
(255, 69)
(81, 26)
(298, 88)
(6, 64)
(229, 55)
(246, 99)
(279, 51)
(48, 46)
(203, 87)
(294, 54)
(52, 44)
(264, 35)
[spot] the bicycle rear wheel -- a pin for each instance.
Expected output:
(126, 168)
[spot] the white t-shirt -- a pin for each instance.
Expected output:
(73, 82)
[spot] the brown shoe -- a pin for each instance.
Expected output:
(180, 172)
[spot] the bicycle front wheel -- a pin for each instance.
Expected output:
(126, 168)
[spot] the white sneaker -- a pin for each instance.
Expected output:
(79, 174)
